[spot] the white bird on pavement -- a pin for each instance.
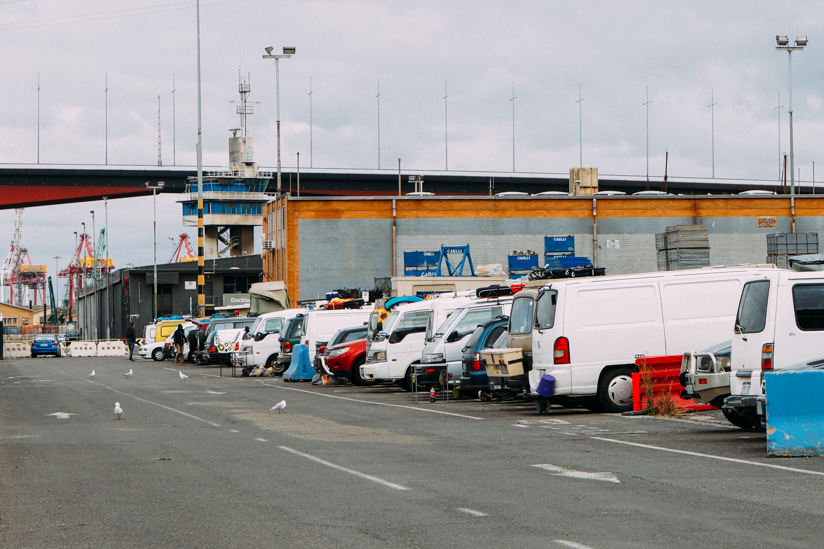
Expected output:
(183, 377)
(92, 374)
(118, 410)
(279, 407)
(129, 374)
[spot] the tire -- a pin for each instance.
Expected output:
(157, 354)
(355, 377)
(279, 368)
(615, 390)
(406, 382)
(33, 355)
(742, 422)
(541, 406)
(191, 358)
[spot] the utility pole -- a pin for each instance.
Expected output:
(712, 115)
(646, 104)
(174, 136)
(580, 131)
(310, 123)
(379, 123)
(513, 125)
(778, 108)
(445, 127)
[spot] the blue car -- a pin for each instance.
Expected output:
(473, 378)
(45, 345)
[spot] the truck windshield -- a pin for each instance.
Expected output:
(752, 311)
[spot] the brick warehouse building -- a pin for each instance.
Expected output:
(317, 244)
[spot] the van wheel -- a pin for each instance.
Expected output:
(272, 362)
(742, 422)
(355, 377)
(157, 354)
(406, 382)
(615, 390)
(541, 406)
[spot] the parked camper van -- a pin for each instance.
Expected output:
(780, 323)
(401, 339)
(315, 328)
(587, 333)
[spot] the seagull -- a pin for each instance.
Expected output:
(183, 377)
(91, 375)
(279, 406)
(118, 410)
(128, 374)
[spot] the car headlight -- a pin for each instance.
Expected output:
(380, 356)
(338, 352)
(434, 357)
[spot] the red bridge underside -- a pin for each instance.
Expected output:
(23, 196)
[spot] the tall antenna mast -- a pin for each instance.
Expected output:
(174, 137)
(38, 118)
(379, 123)
(159, 160)
(445, 128)
(107, 118)
(310, 122)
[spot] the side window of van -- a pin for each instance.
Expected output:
(808, 302)
(473, 318)
(752, 311)
(520, 320)
(409, 323)
(272, 325)
(545, 309)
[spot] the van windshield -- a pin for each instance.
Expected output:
(752, 311)
(808, 302)
(545, 309)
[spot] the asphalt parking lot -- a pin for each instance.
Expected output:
(204, 463)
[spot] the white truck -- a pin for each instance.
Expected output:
(779, 325)
(319, 326)
(263, 347)
(588, 332)
(400, 341)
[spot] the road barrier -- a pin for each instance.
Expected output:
(663, 372)
(299, 369)
(795, 412)
(82, 349)
(16, 350)
(112, 348)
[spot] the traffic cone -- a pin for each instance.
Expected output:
(432, 394)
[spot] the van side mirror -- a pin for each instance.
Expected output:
(379, 327)
(395, 337)
(260, 335)
(454, 336)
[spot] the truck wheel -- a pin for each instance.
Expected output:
(742, 422)
(157, 354)
(541, 406)
(615, 390)
(406, 382)
(355, 377)
(272, 362)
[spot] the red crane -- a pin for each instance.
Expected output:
(183, 245)
(80, 267)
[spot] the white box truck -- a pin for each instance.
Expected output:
(588, 332)
(263, 347)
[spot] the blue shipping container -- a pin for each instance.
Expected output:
(559, 245)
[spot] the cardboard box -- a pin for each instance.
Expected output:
(503, 362)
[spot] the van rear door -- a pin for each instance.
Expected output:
(799, 333)
(754, 328)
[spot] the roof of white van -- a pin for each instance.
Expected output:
(284, 312)
(704, 271)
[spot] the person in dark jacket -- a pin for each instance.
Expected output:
(191, 337)
(131, 339)
(179, 338)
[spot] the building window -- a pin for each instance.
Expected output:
(236, 284)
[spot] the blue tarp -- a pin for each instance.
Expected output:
(299, 369)
(795, 413)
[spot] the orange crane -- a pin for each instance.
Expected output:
(183, 245)
(81, 266)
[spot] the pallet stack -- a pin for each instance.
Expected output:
(683, 247)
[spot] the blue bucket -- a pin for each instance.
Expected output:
(546, 387)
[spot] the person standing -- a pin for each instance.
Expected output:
(191, 338)
(131, 339)
(179, 338)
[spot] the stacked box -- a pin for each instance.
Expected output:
(683, 247)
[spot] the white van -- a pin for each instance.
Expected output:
(263, 347)
(780, 323)
(588, 332)
(445, 347)
(400, 342)
(319, 326)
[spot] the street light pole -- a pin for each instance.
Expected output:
(57, 271)
(106, 269)
(154, 188)
(287, 53)
(784, 45)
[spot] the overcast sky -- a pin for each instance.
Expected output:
(687, 53)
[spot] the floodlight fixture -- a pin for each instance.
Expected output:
(288, 50)
(782, 40)
(800, 41)
(269, 50)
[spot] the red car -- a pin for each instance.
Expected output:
(345, 360)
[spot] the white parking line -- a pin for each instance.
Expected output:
(572, 544)
(472, 512)
(710, 456)
(345, 470)
(261, 440)
(181, 412)
(370, 402)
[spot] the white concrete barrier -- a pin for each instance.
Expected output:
(16, 350)
(82, 348)
(112, 348)
(65, 350)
